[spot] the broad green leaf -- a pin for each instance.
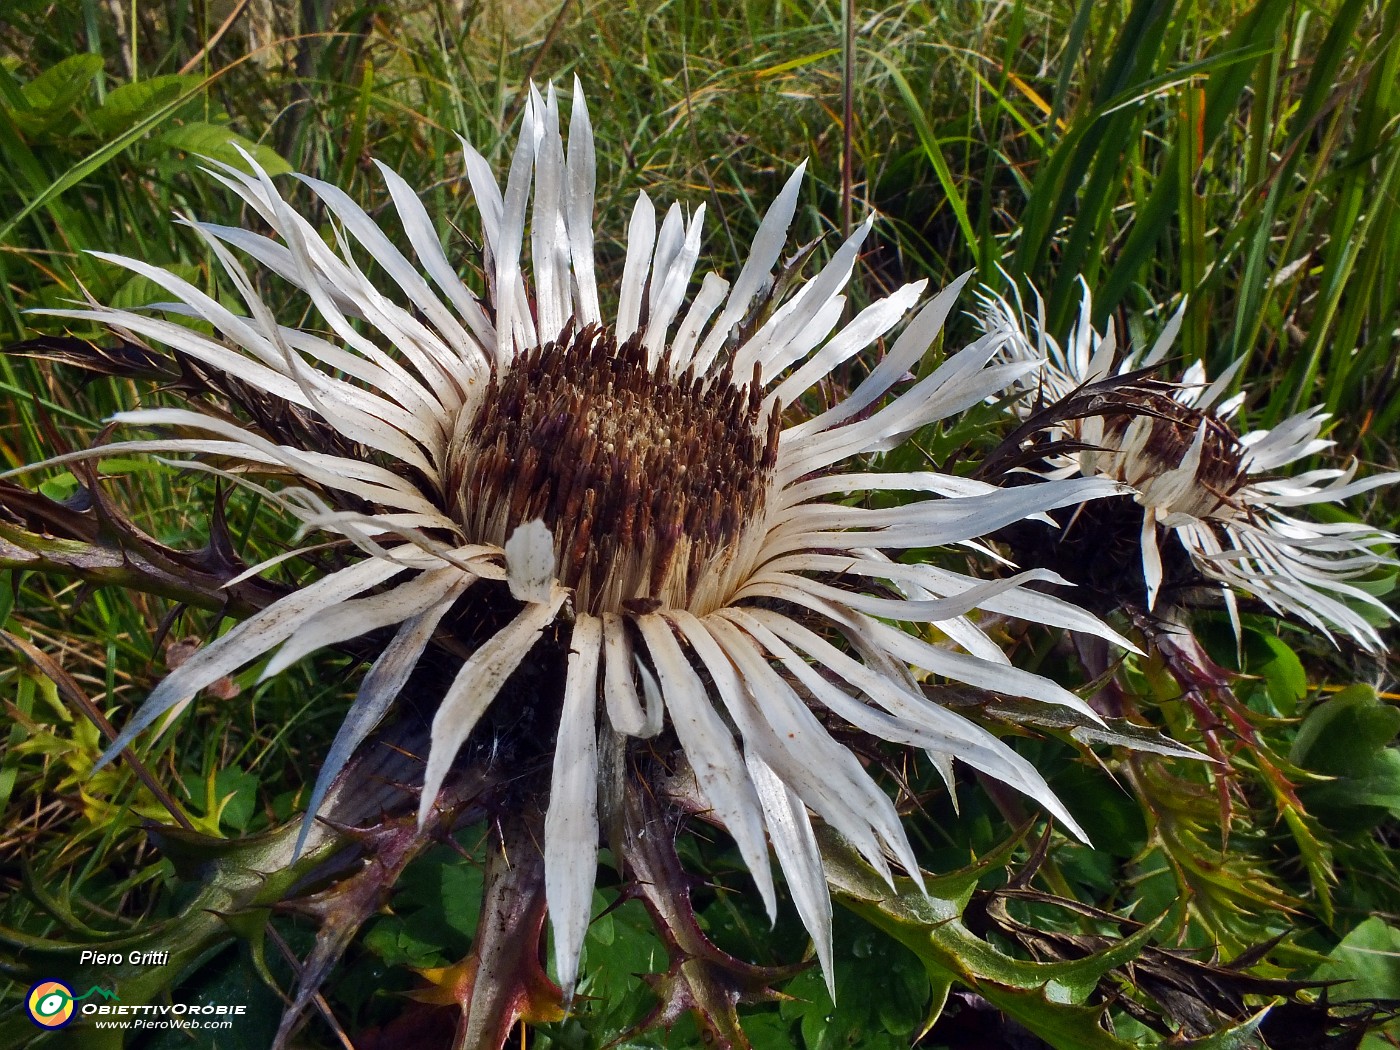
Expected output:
(1338, 731)
(1346, 738)
(1282, 671)
(60, 487)
(436, 902)
(138, 292)
(1368, 959)
(50, 95)
(1373, 783)
(132, 103)
(236, 797)
(621, 943)
(219, 142)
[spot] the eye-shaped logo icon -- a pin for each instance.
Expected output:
(50, 1004)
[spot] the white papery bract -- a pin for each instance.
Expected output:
(627, 481)
(1217, 491)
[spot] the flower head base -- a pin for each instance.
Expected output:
(1202, 487)
(631, 486)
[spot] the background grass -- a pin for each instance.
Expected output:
(1245, 155)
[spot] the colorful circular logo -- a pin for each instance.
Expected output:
(50, 1004)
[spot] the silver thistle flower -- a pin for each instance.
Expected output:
(626, 482)
(1211, 487)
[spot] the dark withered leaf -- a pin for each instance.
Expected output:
(273, 417)
(702, 978)
(38, 513)
(123, 358)
(95, 541)
(1027, 445)
(513, 908)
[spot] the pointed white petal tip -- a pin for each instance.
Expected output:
(530, 562)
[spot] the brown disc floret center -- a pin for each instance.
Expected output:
(646, 479)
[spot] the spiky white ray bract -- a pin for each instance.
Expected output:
(403, 368)
(1246, 540)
